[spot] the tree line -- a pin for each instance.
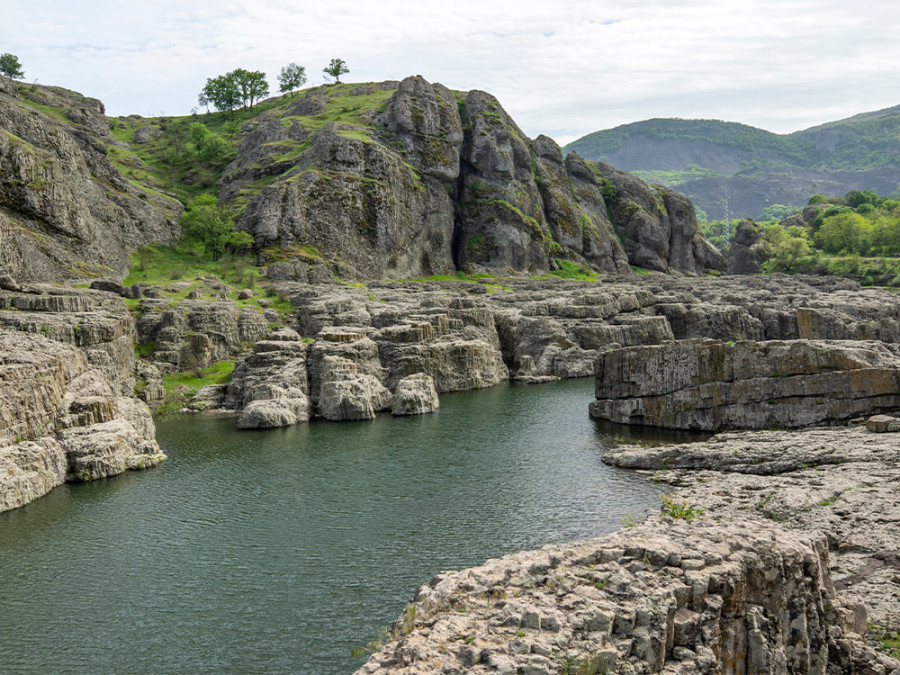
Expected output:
(242, 88)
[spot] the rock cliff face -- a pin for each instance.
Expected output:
(711, 385)
(67, 406)
(667, 596)
(65, 211)
(433, 181)
(658, 226)
(837, 482)
(358, 343)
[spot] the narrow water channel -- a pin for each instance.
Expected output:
(280, 551)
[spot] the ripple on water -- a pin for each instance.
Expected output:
(279, 551)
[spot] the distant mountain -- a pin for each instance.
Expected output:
(733, 170)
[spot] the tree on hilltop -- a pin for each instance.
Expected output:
(223, 92)
(10, 66)
(292, 77)
(252, 85)
(335, 69)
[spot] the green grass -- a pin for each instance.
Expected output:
(170, 164)
(181, 387)
(569, 270)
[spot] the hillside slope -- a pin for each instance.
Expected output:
(377, 180)
(735, 170)
(66, 212)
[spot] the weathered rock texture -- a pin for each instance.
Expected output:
(197, 333)
(710, 385)
(65, 211)
(415, 395)
(467, 336)
(68, 411)
(839, 482)
(667, 596)
(658, 226)
(435, 180)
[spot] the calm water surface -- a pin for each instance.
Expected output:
(280, 551)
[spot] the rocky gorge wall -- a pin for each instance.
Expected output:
(433, 181)
(68, 410)
(65, 211)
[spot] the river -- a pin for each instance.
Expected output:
(280, 551)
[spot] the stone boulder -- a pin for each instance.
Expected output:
(415, 395)
(711, 385)
(275, 412)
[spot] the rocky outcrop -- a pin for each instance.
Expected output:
(193, 334)
(837, 482)
(711, 385)
(746, 251)
(432, 182)
(68, 411)
(66, 212)
(666, 596)
(658, 226)
(468, 336)
(415, 395)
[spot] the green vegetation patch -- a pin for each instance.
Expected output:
(181, 387)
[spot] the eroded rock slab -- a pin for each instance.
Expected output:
(710, 385)
(666, 596)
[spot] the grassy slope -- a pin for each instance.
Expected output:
(168, 162)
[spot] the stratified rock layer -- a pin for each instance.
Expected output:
(839, 482)
(666, 596)
(709, 384)
(67, 406)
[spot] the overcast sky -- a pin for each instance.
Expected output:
(562, 68)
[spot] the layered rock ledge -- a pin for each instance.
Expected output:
(68, 411)
(841, 483)
(710, 384)
(666, 596)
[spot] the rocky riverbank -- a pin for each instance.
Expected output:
(777, 552)
(68, 409)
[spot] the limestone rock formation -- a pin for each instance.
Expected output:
(658, 226)
(67, 406)
(415, 395)
(65, 211)
(197, 333)
(467, 336)
(430, 182)
(841, 483)
(711, 385)
(666, 596)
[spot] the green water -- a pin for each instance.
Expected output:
(280, 551)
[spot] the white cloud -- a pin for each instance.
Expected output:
(564, 69)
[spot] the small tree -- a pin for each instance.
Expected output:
(252, 85)
(223, 92)
(10, 66)
(335, 69)
(292, 77)
(208, 223)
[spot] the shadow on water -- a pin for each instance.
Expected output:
(280, 551)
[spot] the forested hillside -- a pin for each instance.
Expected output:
(733, 170)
